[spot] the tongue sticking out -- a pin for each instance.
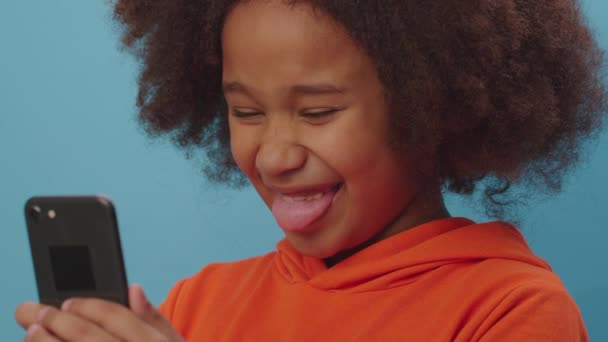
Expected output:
(296, 214)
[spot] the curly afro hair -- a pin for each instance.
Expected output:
(498, 92)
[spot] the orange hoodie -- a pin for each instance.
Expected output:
(447, 280)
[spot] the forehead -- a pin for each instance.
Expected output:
(296, 40)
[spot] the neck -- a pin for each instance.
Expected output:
(423, 208)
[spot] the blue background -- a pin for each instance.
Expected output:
(67, 125)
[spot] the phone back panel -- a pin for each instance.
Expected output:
(76, 249)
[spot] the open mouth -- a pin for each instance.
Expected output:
(297, 211)
(310, 195)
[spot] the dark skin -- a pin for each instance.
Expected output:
(441, 80)
(86, 319)
(500, 93)
(292, 137)
(412, 203)
(434, 210)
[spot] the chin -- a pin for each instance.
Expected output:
(315, 249)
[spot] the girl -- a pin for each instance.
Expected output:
(351, 119)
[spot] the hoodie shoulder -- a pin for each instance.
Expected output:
(209, 287)
(534, 311)
(518, 301)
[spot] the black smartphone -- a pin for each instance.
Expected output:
(76, 249)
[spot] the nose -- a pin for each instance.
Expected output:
(278, 156)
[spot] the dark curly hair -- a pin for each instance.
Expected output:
(501, 92)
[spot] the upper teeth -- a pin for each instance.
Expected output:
(303, 198)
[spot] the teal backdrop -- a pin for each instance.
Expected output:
(67, 126)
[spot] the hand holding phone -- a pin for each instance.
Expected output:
(101, 321)
(76, 252)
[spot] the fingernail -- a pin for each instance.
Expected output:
(145, 297)
(143, 294)
(43, 313)
(32, 330)
(66, 304)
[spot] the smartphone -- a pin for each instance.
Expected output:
(76, 249)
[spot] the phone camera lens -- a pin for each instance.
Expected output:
(35, 213)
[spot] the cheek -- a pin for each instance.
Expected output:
(243, 149)
(354, 154)
(339, 144)
(243, 145)
(358, 140)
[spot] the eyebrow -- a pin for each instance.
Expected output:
(298, 89)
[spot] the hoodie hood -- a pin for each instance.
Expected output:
(402, 258)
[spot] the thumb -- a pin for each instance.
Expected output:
(26, 313)
(144, 310)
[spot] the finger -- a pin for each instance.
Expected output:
(141, 306)
(37, 333)
(26, 313)
(114, 318)
(69, 327)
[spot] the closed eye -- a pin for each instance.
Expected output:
(245, 113)
(319, 114)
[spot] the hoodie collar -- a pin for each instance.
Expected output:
(402, 258)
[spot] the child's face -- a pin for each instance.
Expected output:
(309, 127)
